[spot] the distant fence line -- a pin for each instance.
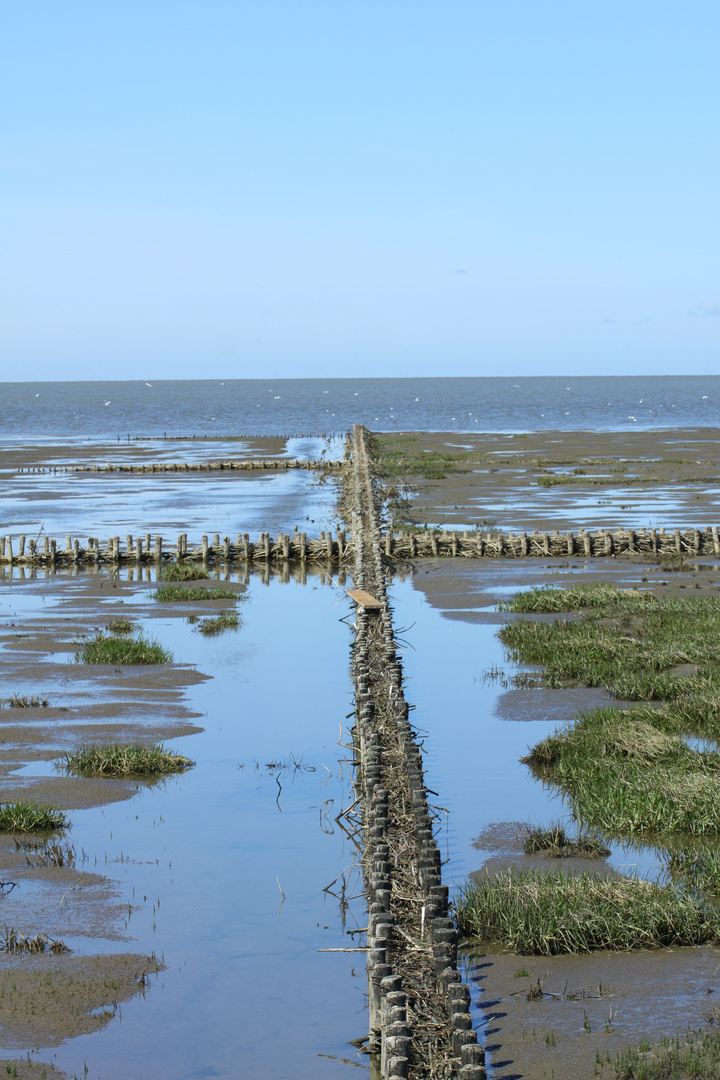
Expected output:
(339, 548)
(232, 465)
(553, 544)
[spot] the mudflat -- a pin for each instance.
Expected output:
(552, 480)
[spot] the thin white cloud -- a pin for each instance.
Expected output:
(707, 307)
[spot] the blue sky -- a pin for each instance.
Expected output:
(326, 188)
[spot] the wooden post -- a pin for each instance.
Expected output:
(546, 544)
(21, 547)
(129, 540)
(632, 545)
(216, 542)
(286, 547)
(678, 542)
(654, 540)
(76, 552)
(158, 549)
(226, 549)
(697, 542)
(303, 547)
(204, 549)
(716, 539)
(139, 551)
(608, 543)
(329, 545)
(570, 544)
(53, 552)
(178, 549)
(587, 543)
(68, 545)
(523, 544)
(246, 547)
(8, 549)
(148, 539)
(47, 545)
(265, 539)
(31, 548)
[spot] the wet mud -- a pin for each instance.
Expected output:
(47, 1000)
(594, 479)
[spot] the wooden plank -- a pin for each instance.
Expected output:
(364, 599)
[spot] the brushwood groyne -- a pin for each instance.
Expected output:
(339, 548)
(419, 1018)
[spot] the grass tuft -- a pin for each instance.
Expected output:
(218, 625)
(109, 649)
(697, 1056)
(117, 759)
(555, 842)
(22, 701)
(182, 571)
(12, 941)
(531, 912)
(174, 594)
(25, 817)
(121, 627)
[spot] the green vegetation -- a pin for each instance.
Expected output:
(696, 1057)
(397, 459)
(182, 571)
(637, 646)
(177, 594)
(531, 912)
(547, 600)
(25, 817)
(117, 759)
(630, 771)
(110, 649)
(625, 773)
(218, 625)
(555, 842)
(121, 627)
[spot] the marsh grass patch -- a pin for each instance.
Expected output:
(530, 912)
(554, 842)
(121, 627)
(27, 817)
(178, 594)
(638, 646)
(103, 648)
(628, 772)
(211, 627)
(182, 571)
(126, 759)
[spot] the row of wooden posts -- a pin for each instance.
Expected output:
(339, 548)
(287, 547)
(525, 545)
(232, 465)
(412, 939)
